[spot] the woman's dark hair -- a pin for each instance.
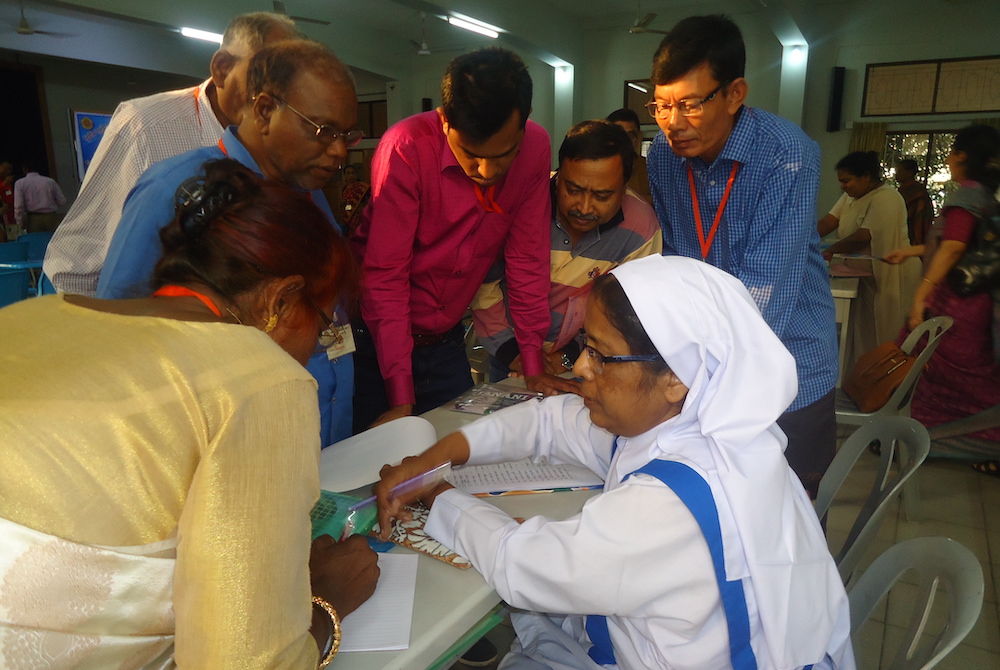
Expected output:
(234, 230)
(981, 145)
(862, 164)
(623, 318)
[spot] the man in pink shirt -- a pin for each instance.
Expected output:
(452, 189)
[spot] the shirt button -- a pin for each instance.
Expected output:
(458, 273)
(565, 241)
(711, 183)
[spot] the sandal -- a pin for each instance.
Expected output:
(991, 468)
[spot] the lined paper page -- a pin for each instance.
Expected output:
(521, 475)
(382, 623)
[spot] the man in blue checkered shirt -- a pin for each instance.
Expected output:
(736, 187)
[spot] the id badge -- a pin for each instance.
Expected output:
(342, 344)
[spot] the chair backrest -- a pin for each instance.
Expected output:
(13, 286)
(13, 251)
(899, 401)
(37, 244)
(946, 572)
(899, 435)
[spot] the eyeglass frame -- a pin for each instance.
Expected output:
(692, 111)
(351, 138)
(597, 360)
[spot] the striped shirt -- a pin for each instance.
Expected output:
(767, 234)
(142, 131)
(632, 233)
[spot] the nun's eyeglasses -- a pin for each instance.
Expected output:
(597, 360)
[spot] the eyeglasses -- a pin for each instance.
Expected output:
(692, 107)
(329, 334)
(324, 133)
(597, 360)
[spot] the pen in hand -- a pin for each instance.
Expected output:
(425, 480)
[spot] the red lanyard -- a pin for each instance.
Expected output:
(197, 107)
(222, 148)
(174, 291)
(486, 199)
(706, 245)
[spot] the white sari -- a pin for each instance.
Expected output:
(70, 605)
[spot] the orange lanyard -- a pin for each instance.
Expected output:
(222, 148)
(174, 291)
(486, 199)
(197, 107)
(706, 244)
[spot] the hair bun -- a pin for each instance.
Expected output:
(198, 201)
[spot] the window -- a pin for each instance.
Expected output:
(929, 150)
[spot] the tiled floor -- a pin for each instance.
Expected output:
(955, 502)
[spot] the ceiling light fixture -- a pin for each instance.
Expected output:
(475, 26)
(201, 35)
(641, 89)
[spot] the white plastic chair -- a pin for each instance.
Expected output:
(899, 435)
(899, 401)
(945, 571)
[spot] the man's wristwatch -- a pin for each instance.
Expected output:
(566, 362)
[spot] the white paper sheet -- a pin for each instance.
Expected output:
(355, 462)
(382, 623)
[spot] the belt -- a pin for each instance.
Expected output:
(430, 339)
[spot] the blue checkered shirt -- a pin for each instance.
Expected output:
(766, 237)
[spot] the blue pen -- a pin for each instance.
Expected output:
(427, 479)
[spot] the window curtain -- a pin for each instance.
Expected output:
(868, 137)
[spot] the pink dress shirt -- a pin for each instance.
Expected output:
(425, 243)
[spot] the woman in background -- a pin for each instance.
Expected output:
(160, 455)
(963, 377)
(353, 199)
(870, 219)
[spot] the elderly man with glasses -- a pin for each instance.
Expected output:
(295, 130)
(736, 187)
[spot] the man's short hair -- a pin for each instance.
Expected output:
(594, 140)
(624, 115)
(714, 39)
(482, 88)
(273, 68)
(908, 164)
(251, 30)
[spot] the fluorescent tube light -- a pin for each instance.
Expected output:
(641, 89)
(201, 35)
(484, 29)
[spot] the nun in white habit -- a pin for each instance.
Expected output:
(703, 550)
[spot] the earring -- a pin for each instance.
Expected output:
(272, 321)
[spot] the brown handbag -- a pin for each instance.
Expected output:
(877, 375)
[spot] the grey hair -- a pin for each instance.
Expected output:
(251, 30)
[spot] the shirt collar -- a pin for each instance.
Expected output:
(234, 149)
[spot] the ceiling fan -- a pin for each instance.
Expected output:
(279, 8)
(422, 48)
(25, 28)
(642, 25)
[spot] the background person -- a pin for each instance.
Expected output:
(353, 197)
(665, 408)
(736, 187)
(870, 219)
(452, 189)
(629, 122)
(37, 200)
(161, 463)
(919, 208)
(144, 131)
(597, 224)
(963, 377)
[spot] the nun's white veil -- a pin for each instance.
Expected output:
(741, 378)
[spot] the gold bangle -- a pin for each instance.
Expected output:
(932, 283)
(334, 643)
